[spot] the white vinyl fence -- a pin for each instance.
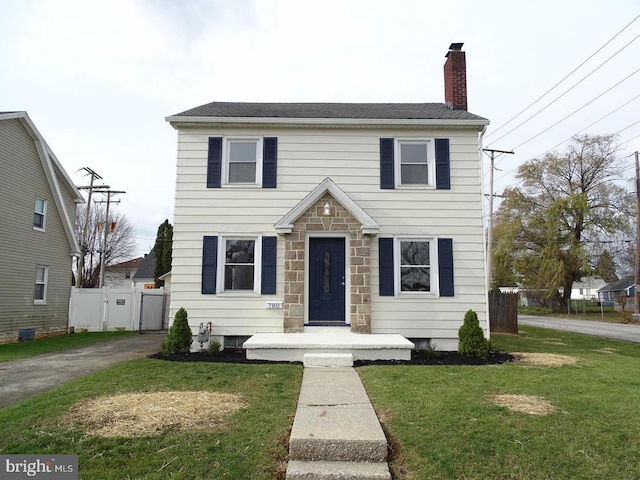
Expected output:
(105, 309)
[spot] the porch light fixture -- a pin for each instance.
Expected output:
(327, 209)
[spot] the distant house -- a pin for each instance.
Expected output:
(37, 243)
(587, 288)
(143, 278)
(617, 292)
(121, 275)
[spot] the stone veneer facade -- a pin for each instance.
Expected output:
(339, 220)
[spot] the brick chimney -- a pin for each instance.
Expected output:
(455, 78)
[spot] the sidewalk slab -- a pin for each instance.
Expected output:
(335, 420)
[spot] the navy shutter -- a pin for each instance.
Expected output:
(269, 162)
(386, 163)
(209, 264)
(443, 175)
(214, 162)
(445, 266)
(385, 263)
(269, 253)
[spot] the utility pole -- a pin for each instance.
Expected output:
(637, 272)
(108, 193)
(91, 187)
(492, 153)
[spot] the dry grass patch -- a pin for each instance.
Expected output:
(531, 405)
(608, 350)
(545, 359)
(145, 414)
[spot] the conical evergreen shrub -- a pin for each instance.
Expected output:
(471, 340)
(179, 336)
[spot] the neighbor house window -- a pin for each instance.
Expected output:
(39, 213)
(40, 289)
(243, 161)
(415, 265)
(415, 163)
(239, 264)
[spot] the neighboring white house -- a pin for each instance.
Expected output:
(587, 289)
(291, 216)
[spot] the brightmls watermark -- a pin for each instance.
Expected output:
(42, 467)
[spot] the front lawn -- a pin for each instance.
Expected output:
(250, 443)
(445, 424)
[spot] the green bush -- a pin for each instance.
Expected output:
(179, 336)
(214, 348)
(471, 340)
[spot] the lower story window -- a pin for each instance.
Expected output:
(415, 265)
(239, 264)
(40, 289)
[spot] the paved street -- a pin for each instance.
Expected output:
(619, 331)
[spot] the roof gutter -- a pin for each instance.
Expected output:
(177, 121)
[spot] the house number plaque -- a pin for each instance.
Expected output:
(270, 305)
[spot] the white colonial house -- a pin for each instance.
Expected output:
(342, 218)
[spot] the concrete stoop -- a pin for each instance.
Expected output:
(336, 434)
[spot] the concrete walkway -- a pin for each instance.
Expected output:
(336, 434)
(21, 379)
(618, 331)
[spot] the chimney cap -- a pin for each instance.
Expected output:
(454, 47)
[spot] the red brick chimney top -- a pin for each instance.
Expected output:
(455, 78)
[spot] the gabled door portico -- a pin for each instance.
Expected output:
(327, 261)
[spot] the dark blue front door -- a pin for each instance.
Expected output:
(326, 280)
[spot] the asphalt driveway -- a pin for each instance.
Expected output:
(618, 331)
(20, 379)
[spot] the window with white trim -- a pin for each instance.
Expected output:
(239, 259)
(40, 288)
(39, 214)
(243, 161)
(416, 269)
(415, 165)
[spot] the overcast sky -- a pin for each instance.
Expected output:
(98, 78)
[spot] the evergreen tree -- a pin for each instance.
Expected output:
(162, 251)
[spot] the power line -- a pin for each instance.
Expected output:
(567, 91)
(563, 79)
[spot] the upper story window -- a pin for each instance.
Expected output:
(40, 211)
(243, 161)
(415, 165)
(40, 288)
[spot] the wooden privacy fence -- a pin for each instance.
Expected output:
(503, 312)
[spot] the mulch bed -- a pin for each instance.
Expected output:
(417, 358)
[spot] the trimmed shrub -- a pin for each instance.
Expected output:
(214, 348)
(471, 341)
(179, 336)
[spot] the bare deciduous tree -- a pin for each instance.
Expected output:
(121, 244)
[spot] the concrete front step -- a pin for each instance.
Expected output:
(299, 470)
(292, 347)
(335, 420)
(328, 360)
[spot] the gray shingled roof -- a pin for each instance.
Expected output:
(619, 285)
(386, 111)
(147, 268)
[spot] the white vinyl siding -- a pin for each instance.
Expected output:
(351, 158)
